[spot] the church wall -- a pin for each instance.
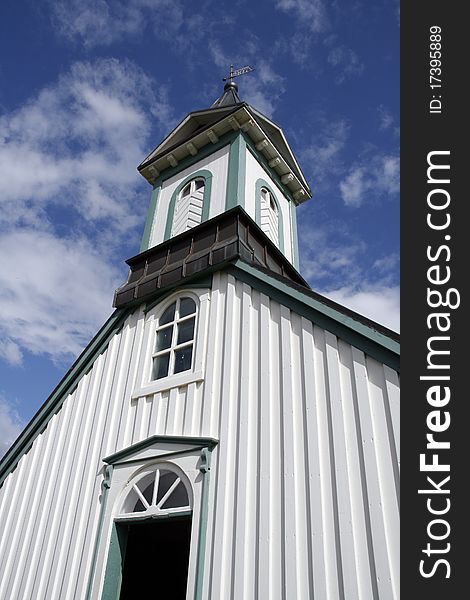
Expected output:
(304, 473)
(307, 463)
(47, 542)
(217, 164)
(68, 487)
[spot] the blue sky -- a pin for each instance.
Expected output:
(88, 88)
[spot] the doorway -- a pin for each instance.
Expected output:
(156, 557)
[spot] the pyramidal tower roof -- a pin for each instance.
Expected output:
(228, 113)
(229, 97)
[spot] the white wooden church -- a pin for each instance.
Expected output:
(229, 433)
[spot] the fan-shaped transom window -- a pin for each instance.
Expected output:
(189, 206)
(269, 214)
(157, 493)
(174, 341)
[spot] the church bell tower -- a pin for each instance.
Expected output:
(229, 155)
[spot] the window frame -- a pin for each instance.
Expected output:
(267, 197)
(192, 186)
(204, 174)
(145, 385)
(272, 203)
(174, 346)
(261, 185)
(152, 512)
(184, 198)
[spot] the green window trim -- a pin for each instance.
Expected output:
(260, 184)
(202, 173)
(295, 236)
(263, 162)
(236, 173)
(149, 223)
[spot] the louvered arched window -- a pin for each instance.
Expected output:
(269, 215)
(189, 206)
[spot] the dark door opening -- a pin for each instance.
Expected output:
(156, 558)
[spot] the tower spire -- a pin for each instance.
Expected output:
(230, 95)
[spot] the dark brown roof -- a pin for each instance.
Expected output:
(225, 238)
(229, 97)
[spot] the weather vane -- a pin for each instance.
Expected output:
(237, 72)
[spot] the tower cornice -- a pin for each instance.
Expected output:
(192, 135)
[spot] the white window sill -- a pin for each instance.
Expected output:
(167, 383)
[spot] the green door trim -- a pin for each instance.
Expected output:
(204, 467)
(117, 545)
(108, 475)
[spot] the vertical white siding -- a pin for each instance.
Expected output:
(305, 502)
(303, 492)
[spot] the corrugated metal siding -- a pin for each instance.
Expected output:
(306, 492)
(303, 491)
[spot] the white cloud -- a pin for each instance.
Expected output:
(380, 177)
(310, 13)
(70, 197)
(376, 302)
(385, 117)
(322, 158)
(354, 186)
(329, 254)
(387, 265)
(346, 62)
(104, 22)
(55, 295)
(218, 54)
(76, 145)
(337, 264)
(10, 352)
(299, 45)
(263, 91)
(11, 425)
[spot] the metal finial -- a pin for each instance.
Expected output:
(237, 73)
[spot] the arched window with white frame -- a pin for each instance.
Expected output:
(174, 339)
(189, 206)
(159, 492)
(269, 215)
